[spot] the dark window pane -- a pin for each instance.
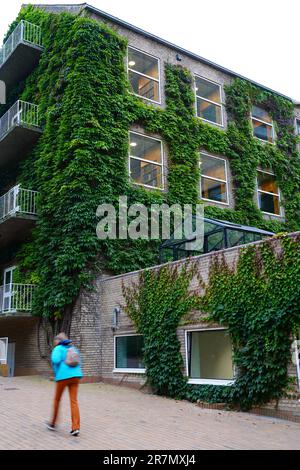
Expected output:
(213, 190)
(213, 167)
(146, 173)
(145, 148)
(143, 63)
(209, 111)
(129, 352)
(262, 131)
(144, 86)
(208, 90)
(269, 203)
(267, 182)
(261, 114)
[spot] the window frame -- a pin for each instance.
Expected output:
(297, 123)
(145, 75)
(148, 161)
(214, 179)
(267, 124)
(125, 370)
(268, 172)
(209, 101)
(227, 383)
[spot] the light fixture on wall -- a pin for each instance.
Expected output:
(115, 318)
(178, 57)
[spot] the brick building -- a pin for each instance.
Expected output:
(110, 346)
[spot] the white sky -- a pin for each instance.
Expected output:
(258, 38)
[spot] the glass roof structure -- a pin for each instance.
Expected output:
(217, 235)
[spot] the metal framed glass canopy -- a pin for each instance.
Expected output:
(217, 235)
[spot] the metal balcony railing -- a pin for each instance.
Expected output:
(21, 113)
(25, 32)
(16, 298)
(18, 200)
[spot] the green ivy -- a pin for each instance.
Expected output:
(258, 303)
(81, 159)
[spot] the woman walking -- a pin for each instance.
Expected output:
(67, 372)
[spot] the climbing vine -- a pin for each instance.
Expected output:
(81, 159)
(258, 302)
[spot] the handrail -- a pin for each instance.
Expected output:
(16, 298)
(21, 113)
(18, 200)
(25, 32)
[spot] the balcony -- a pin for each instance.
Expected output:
(20, 53)
(16, 299)
(19, 131)
(17, 215)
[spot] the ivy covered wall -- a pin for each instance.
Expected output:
(81, 159)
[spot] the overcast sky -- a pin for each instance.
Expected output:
(256, 38)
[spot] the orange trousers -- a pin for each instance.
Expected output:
(72, 385)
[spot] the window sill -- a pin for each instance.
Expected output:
(129, 371)
(210, 382)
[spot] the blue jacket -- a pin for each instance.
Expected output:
(61, 370)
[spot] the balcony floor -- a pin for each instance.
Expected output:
(15, 229)
(18, 140)
(20, 64)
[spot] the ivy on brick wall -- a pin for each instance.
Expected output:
(81, 159)
(258, 302)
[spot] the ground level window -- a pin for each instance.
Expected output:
(128, 352)
(209, 355)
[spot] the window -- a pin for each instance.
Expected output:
(208, 97)
(262, 124)
(128, 353)
(213, 179)
(298, 127)
(146, 160)
(144, 76)
(268, 193)
(209, 356)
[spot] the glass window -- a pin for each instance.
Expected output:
(208, 96)
(213, 179)
(146, 160)
(262, 124)
(268, 193)
(143, 73)
(129, 352)
(210, 355)
(298, 126)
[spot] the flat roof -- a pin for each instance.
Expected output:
(125, 24)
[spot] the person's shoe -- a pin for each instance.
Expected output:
(51, 427)
(74, 432)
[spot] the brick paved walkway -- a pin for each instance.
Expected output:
(121, 418)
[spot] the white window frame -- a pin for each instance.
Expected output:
(267, 124)
(297, 122)
(125, 371)
(280, 215)
(148, 161)
(145, 75)
(214, 179)
(209, 101)
(3, 360)
(226, 383)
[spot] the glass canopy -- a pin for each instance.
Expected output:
(218, 235)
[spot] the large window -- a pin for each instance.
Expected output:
(262, 124)
(143, 73)
(214, 186)
(268, 193)
(128, 353)
(146, 160)
(208, 95)
(209, 356)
